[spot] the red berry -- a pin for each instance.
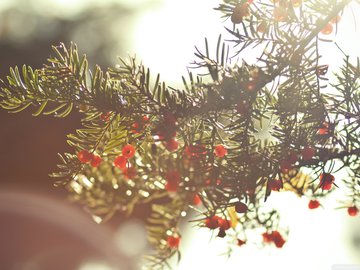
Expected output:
(336, 19)
(212, 222)
(105, 116)
(84, 156)
(267, 237)
(196, 200)
(326, 181)
(240, 242)
(277, 239)
(307, 153)
(195, 151)
(129, 173)
(275, 185)
(241, 207)
(120, 162)
(353, 211)
(173, 241)
(324, 129)
(313, 204)
(292, 157)
(285, 166)
(328, 29)
(224, 224)
(220, 151)
(172, 145)
(128, 151)
(171, 186)
(173, 176)
(95, 161)
(169, 118)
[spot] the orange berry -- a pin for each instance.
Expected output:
(327, 30)
(336, 19)
(220, 150)
(173, 241)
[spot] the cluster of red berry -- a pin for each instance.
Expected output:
(329, 28)
(84, 156)
(274, 237)
(121, 161)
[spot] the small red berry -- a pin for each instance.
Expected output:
(277, 239)
(128, 151)
(327, 30)
(240, 242)
(326, 181)
(173, 176)
(313, 204)
(275, 185)
(105, 116)
(285, 166)
(324, 129)
(129, 173)
(195, 151)
(120, 162)
(84, 156)
(196, 200)
(336, 19)
(173, 241)
(220, 150)
(267, 237)
(212, 222)
(172, 145)
(292, 157)
(353, 211)
(241, 208)
(95, 161)
(224, 224)
(307, 153)
(172, 186)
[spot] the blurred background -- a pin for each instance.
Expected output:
(40, 230)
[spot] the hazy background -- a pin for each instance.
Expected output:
(39, 230)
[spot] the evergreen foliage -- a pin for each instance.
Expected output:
(205, 141)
